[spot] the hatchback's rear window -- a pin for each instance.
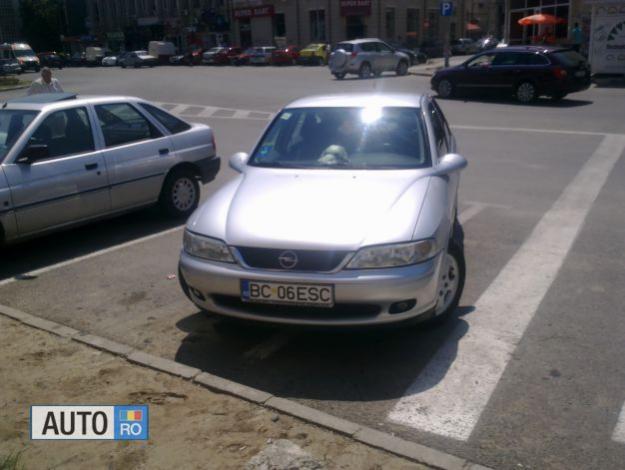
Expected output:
(346, 46)
(569, 58)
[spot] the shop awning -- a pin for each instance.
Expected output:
(541, 18)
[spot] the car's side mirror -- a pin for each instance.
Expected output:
(449, 163)
(238, 160)
(32, 153)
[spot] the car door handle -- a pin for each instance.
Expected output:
(91, 166)
(163, 151)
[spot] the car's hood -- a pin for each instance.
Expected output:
(314, 209)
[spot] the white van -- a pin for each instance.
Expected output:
(21, 52)
(162, 50)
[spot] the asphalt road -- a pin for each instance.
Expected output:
(529, 374)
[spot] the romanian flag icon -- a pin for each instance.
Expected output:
(130, 415)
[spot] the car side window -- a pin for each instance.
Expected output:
(381, 47)
(122, 124)
(483, 60)
(439, 129)
(368, 47)
(65, 132)
(171, 123)
(507, 59)
(534, 59)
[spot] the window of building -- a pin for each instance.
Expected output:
(389, 23)
(412, 25)
(317, 25)
(279, 25)
(355, 27)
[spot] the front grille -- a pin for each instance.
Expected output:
(339, 311)
(307, 260)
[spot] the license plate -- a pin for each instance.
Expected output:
(580, 73)
(319, 295)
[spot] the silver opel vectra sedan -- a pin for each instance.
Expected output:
(66, 160)
(344, 214)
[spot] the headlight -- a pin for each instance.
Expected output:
(207, 248)
(388, 256)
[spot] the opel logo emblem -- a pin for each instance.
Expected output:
(288, 259)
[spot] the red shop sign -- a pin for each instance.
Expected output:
(355, 7)
(254, 12)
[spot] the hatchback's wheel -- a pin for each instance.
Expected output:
(339, 76)
(526, 92)
(451, 283)
(180, 194)
(445, 88)
(365, 70)
(402, 68)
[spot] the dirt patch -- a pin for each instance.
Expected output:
(190, 427)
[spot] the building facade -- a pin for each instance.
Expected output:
(125, 24)
(10, 23)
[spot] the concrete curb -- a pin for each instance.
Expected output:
(372, 437)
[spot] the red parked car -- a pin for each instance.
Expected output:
(243, 58)
(225, 56)
(285, 56)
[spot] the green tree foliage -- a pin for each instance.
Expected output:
(42, 23)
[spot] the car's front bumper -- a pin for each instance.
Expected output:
(362, 297)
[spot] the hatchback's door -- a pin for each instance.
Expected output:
(386, 56)
(477, 74)
(137, 155)
(67, 182)
(506, 70)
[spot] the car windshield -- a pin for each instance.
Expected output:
(345, 138)
(346, 46)
(23, 52)
(13, 123)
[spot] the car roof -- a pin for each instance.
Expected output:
(542, 48)
(359, 100)
(45, 101)
(360, 41)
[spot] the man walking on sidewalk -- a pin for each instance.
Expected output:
(45, 84)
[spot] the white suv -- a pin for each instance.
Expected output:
(364, 57)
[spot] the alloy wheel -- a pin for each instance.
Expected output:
(183, 194)
(448, 283)
(526, 92)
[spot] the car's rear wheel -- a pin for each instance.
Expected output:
(526, 92)
(339, 76)
(180, 194)
(445, 88)
(365, 70)
(402, 68)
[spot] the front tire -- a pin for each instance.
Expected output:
(445, 88)
(526, 92)
(180, 195)
(402, 68)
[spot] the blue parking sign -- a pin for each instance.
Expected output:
(447, 8)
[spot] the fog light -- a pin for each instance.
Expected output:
(402, 306)
(197, 293)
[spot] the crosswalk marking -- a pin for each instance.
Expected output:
(619, 430)
(449, 395)
(190, 111)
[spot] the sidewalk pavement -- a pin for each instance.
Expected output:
(432, 65)
(190, 426)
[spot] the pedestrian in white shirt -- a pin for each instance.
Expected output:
(45, 84)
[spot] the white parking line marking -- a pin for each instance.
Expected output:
(267, 348)
(619, 430)
(451, 392)
(179, 109)
(470, 212)
(95, 254)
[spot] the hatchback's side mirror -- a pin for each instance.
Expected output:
(32, 153)
(238, 160)
(450, 163)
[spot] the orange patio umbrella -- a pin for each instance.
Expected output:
(541, 18)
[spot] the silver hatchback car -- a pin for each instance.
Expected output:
(364, 57)
(66, 160)
(344, 214)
